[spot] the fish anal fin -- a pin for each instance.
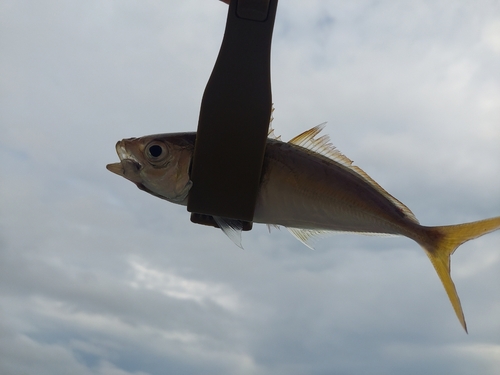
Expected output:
(307, 236)
(271, 226)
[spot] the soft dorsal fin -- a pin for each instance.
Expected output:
(323, 146)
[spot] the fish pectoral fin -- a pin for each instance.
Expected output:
(231, 228)
(307, 236)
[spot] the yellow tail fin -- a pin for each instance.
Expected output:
(442, 242)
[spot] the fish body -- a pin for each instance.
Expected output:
(304, 190)
(307, 186)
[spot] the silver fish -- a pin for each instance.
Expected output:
(308, 186)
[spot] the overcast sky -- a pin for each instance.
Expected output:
(98, 277)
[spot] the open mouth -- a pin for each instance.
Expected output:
(128, 166)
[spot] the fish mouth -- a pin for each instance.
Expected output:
(128, 167)
(122, 150)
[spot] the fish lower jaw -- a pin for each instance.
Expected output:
(116, 168)
(127, 168)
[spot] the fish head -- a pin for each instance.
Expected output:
(158, 164)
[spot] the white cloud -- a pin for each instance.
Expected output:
(491, 36)
(175, 286)
(488, 354)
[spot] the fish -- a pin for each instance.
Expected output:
(308, 186)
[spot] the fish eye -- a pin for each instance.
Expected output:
(156, 151)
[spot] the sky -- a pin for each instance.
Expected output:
(98, 277)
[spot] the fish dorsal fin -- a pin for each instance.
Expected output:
(323, 146)
(270, 133)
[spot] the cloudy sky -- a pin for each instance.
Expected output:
(97, 277)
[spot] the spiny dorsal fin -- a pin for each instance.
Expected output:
(270, 133)
(322, 146)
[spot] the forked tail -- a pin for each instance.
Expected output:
(442, 241)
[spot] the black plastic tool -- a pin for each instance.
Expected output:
(234, 118)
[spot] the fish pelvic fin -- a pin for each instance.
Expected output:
(442, 242)
(231, 228)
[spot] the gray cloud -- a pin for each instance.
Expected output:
(97, 277)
